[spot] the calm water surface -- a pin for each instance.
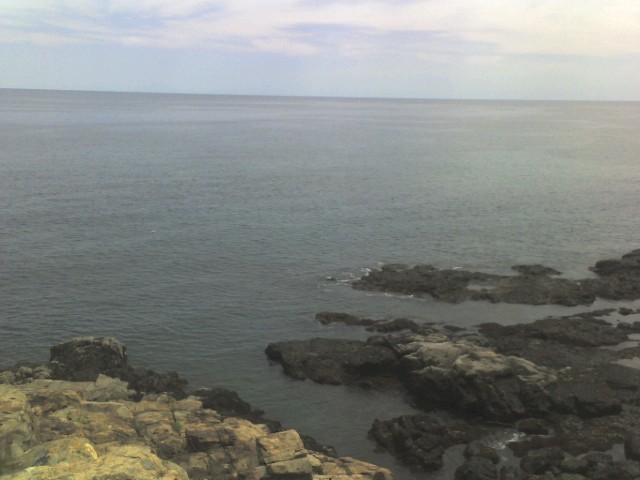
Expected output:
(197, 229)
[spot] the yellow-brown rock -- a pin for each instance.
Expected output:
(86, 430)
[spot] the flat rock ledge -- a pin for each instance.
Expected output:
(618, 279)
(88, 430)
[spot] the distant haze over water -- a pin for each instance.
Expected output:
(197, 229)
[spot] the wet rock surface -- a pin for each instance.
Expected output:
(87, 430)
(421, 440)
(333, 361)
(556, 389)
(535, 285)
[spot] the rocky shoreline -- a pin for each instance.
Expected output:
(617, 279)
(557, 398)
(88, 415)
(559, 385)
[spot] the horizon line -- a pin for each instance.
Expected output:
(318, 97)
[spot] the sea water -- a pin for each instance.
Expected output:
(197, 229)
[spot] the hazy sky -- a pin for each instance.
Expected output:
(529, 49)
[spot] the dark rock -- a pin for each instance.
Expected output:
(479, 449)
(595, 459)
(625, 311)
(541, 461)
(533, 426)
(477, 468)
(382, 326)
(394, 325)
(421, 440)
(572, 464)
(628, 262)
(578, 330)
(627, 470)
(311, 443)
(333, 361)
(619, 377)
(535, 270)
(143, 381)
(326, 318)
(509, 472)
(225, 402)
(632, 447)
(84, 358)
(618, 280)
(587, 397)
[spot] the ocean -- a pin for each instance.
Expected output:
(196, 229)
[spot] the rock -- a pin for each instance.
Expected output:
(63, 450)
(16, 423)
(477, 468)
(332, 361)
(625, 311)
(281, 446)
(626, 470)
(225, 401)
(84, 358)
(509, 472)
(383, 326)
(570, 476)
(326, 318)
(575, 465)
(533, 426)
(421, 440)
(618, 280)
(541, 461)
(51, 429)
(475, 379)
(583, 331)
(535, 270)
(116, 438)
(632, 447)
(477, 448)
(126, 462)
(143, 381)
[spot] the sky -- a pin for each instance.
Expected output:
(468, 49)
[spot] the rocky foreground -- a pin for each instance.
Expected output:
(617, 279)
(68, 420)
(560, 391)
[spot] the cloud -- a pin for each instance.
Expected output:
(447, 29)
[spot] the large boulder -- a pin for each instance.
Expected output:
(84, 358)
(333, 361)
(473, 378)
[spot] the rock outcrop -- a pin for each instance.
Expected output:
(535, 284)
(333, 361)
(556, 384)
(87, 430)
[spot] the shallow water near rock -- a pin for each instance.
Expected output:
(197, 229)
